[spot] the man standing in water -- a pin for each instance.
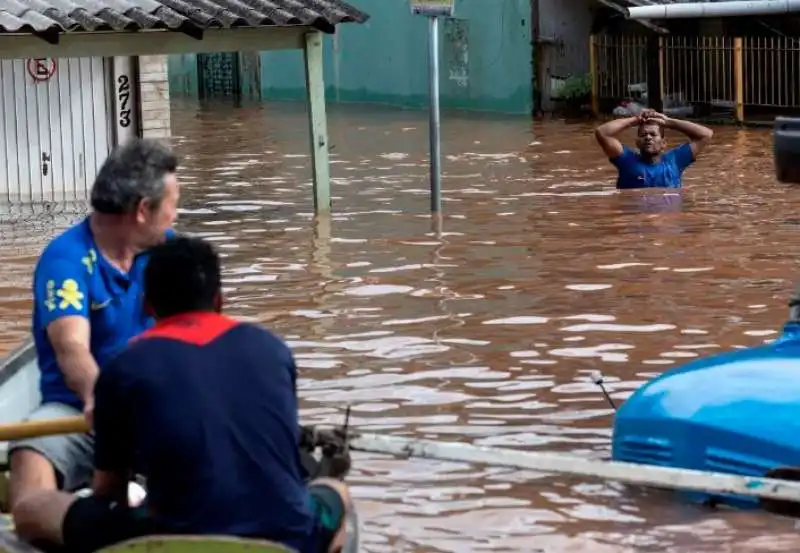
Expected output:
(651, 166)
(87, 304)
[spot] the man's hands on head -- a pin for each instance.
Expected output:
(699, 135)
(651, 116)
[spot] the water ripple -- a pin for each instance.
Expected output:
(482, 327)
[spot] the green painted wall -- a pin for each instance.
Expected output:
(182, 70)
(485, 59)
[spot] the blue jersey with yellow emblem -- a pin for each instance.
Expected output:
(72, 279)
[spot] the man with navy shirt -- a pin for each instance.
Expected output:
(652, 166)
(87, 304)
(206, 407)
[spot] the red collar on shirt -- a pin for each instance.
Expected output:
(196, 328)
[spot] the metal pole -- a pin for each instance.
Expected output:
(695, 10)
(434, 124)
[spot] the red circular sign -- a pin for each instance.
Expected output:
(41, 69)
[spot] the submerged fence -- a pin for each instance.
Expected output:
(699, 75)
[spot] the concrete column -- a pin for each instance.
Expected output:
(154, 95)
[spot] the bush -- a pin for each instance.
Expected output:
(574, 88)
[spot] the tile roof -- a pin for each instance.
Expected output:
(52, 17)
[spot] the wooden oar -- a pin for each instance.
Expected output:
(48, 427)
(631, 473)
(782, 492)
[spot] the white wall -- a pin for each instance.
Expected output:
(54, 132)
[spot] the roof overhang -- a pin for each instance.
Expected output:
(146, 43)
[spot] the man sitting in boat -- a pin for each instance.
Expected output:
(208, 408)
(87, 288)
(651, 166)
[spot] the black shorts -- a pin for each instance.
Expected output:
(92, 523)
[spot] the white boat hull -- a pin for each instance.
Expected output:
(19, 386)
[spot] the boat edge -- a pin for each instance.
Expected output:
(16, 360)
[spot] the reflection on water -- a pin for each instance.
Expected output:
(486, 328)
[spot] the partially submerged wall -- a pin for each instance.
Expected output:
(485, 59)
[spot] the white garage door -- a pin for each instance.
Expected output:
(55, 128)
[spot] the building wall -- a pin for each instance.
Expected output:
(154, 95)
(52, 143)
(565, 26)
(183, 75)
(485, 59)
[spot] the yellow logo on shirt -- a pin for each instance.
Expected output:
(50, 299)
(70, 295)
(89, 260)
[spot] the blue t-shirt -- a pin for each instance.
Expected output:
(72, 278)
(206, 409)
(634, 172)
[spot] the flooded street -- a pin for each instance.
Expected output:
(485, 328)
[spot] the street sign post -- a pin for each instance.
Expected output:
(433, 10)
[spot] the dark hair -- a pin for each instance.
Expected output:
(644, 124)
(182, 275)
(131, 173)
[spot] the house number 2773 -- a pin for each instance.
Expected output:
(124, 97)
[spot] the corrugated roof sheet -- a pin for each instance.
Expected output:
(47, 17)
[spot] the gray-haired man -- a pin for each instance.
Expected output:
(87, 304)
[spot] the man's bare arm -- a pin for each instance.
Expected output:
(699, 135)
(69, 337)
(607, 132)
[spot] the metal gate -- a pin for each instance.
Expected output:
(218, 75)
(55, 127)
(234, 75)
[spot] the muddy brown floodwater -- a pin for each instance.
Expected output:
(485, 332)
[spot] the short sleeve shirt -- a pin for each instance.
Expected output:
(71, 278)
(206, 409)
(634, 172)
